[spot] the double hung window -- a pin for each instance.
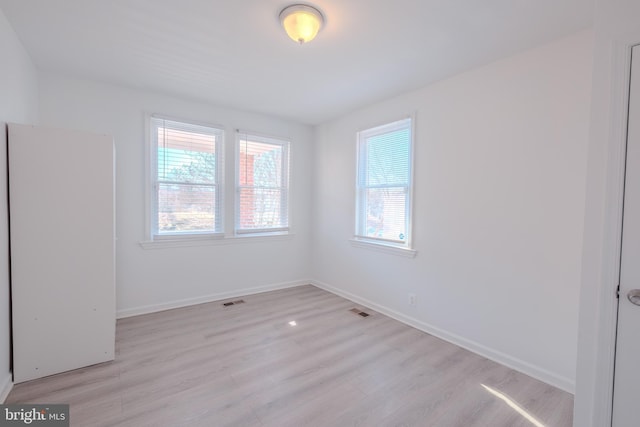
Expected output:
(186, 178)
(262, 184)
(383, 189)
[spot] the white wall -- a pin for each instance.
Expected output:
(18, 104)
(151, 279)
(500, 164)
(616, 29)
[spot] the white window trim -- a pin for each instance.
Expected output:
(357, 242)
(382, 245)
(210, 241)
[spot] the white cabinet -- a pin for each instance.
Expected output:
(61, 204)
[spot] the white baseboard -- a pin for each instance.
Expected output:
(6, 384)
(519, 365)
(153, 308)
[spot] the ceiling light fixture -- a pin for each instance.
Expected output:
(301, 22)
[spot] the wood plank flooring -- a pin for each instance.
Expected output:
(245, 365)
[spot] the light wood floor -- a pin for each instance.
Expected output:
(244, 365)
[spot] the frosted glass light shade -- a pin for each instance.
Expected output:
(301, 22)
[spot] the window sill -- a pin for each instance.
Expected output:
(185, 242)
(381, 247)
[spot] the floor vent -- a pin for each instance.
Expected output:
(359, 312)
(230, 303)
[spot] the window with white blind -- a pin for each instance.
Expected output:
(186, 178)
(383, 188)
(262, 184)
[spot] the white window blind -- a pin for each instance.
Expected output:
(186, 178)
(383, 205)
(262, 184)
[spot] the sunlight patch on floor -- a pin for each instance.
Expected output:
(519, 409)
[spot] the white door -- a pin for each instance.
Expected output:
(626, 399)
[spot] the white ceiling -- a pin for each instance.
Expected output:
(234, 52)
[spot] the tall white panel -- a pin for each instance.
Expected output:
(61, 195)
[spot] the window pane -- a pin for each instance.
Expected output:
(388, 158)
(261, 208)
(186, 208)
(186, 156)
(260, 164)
(385, 213)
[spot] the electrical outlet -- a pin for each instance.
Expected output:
(412, 299)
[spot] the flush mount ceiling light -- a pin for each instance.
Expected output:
(301, 22)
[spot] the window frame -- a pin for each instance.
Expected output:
(154, 183)
(360, 238)
(285, 208)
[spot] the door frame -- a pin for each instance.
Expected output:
(607, 298)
